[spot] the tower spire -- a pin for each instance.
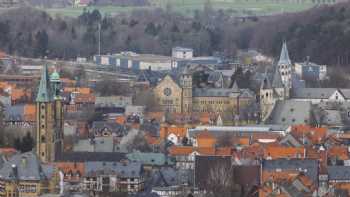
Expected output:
(284, 56)
(44, 92)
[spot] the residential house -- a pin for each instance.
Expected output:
(339, 177)
(261, 133)
(99, 144)
(150, 160)
(273, 168)
(24, 175)
(185, 155)
(106, 129)
(319, 95)
(310, 71)
(73, 171)
(173, 133)
(20, 116)
(115, 101)
(113, 177)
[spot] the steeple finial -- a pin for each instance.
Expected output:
(284, 56)
(44, 92)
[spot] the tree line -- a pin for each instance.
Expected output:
(321, 33)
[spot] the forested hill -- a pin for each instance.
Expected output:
(322, 33)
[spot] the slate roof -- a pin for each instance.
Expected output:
(220, 130)
(308, 166)
(151, 127)
(265, 83)
(99, 144)
(167, 176)
(313, 93)
(28, 168)
(92, 156)
(14, 113)
(126, 170)
(182, 49)
(339, 173)
(284, 56)
(277, 80)
(213, 92)
(154, 159)
(117, 129)
(290, 112)
(332, 117)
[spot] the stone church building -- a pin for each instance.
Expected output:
(179, 95)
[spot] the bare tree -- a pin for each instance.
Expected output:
(148, 99)
(220, 181)
(224, 140)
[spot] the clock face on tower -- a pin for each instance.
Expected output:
(167, 91)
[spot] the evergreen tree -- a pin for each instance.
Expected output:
(17, 143)
(27, 143)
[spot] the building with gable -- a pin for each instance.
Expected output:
(181, 96)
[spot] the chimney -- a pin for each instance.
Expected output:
(307, 60)
(14, 171)
(24, 162)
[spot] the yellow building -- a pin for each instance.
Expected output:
(182, 97)
(49, 118)
(24, 175)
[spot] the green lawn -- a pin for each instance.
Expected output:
(188, 6)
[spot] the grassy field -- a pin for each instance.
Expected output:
(239, 7)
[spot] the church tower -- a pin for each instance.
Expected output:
(266, 96)
(285, 69)
(186, 85)
(49, 118)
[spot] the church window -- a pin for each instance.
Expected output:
(336, 97)
(267, 94)
(43, 139)
(42, 126)
(42, 154)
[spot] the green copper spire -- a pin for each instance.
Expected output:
(284, 56)
(44, 92)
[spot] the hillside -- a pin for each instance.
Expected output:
(321, 33)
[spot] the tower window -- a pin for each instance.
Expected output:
(43, 138)
(42, 154)
(42, 126)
